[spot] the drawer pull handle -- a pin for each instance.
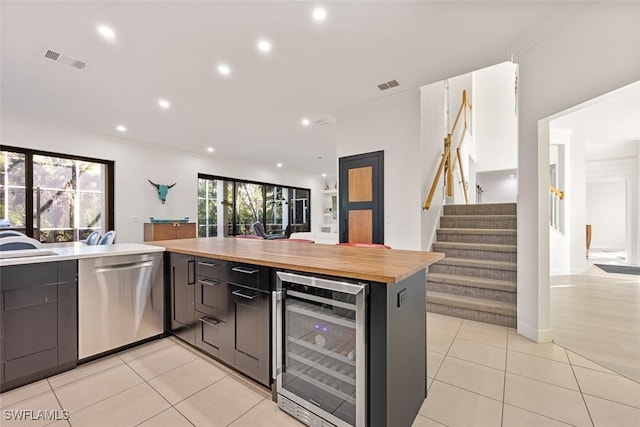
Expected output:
(207, 282)
(244, 270)
(209, 321)
(207, 264)
(240, 294)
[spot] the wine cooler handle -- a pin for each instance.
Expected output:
(275, 348)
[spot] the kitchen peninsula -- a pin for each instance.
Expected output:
(339, 333)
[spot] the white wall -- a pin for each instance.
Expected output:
(391, 124)
(456, 86)
(606, 212)
(499, 186)
(432, 133)
(136, 162)
(616, 169)
(593, 53)
(494, 117)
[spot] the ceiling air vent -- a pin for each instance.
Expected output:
(52, 55)
(388, 85)
(65, 59)
(322, 122)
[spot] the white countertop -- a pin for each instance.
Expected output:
(75, 250)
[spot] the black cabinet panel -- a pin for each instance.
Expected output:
(24, 366)
(211, 268)
(211, 297)
(232, 306)
(249, 275)
(183, 318)
(38, 321)
(251, 330)
(30, 329)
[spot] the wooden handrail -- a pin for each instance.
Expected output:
(557, 192)
(446, 157)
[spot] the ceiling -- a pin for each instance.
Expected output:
(612, 119)
(172, 49)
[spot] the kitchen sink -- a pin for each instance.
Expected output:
(26, 253)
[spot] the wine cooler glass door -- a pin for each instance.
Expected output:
(322, 342)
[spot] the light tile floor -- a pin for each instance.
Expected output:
(478, 375)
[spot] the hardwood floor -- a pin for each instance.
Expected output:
(597, 315)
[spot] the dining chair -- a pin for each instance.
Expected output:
(108, 238)
(93, 238)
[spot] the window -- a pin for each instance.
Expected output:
(230, 207)
(69, 196)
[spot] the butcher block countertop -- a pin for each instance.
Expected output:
(377, 265)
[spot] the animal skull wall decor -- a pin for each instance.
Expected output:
(162, 190)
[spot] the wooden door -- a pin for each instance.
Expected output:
(362, 198)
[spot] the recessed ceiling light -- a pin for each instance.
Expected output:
(512, 176)
(324, 175)
(224, 69)
(163, 103)
(210, 149)
(121, 128)
(305, 122)
(106, 32)
(279, 165)
(319, 14)
(264, 46)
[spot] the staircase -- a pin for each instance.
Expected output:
(477, 278)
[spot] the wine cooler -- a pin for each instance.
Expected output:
(320, 351)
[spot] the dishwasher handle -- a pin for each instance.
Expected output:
(121, 267)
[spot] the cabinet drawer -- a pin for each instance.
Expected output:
(29, 365)
(211, 268)
(212, 335)
(211, 297)
(30, 330)
(248, 275)
(22, 276)
(19, 298)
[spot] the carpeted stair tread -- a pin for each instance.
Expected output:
(476, 282)
(479, 263)
(506, 222)
(485, 231)
(441, 246)
(482, 209)
(471, 303)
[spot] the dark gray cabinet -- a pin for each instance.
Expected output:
(250, 312)
(38, 321)
(231, 311)
(214, 333)
(182, 290)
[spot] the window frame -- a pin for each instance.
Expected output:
(28, 170)
(236, 181)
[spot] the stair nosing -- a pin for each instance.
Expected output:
(471, 303)
(473, 282)
(478, 263)
(480, 247)
(454, 230)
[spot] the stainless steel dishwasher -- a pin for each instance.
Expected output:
(120, 301)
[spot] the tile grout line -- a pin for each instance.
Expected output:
(245, 412)
(504, 381)
(580, 389)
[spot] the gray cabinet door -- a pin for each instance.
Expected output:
(183, 318)
(251, 324)
(38, 321)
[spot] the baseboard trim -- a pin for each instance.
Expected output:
(535, 334)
